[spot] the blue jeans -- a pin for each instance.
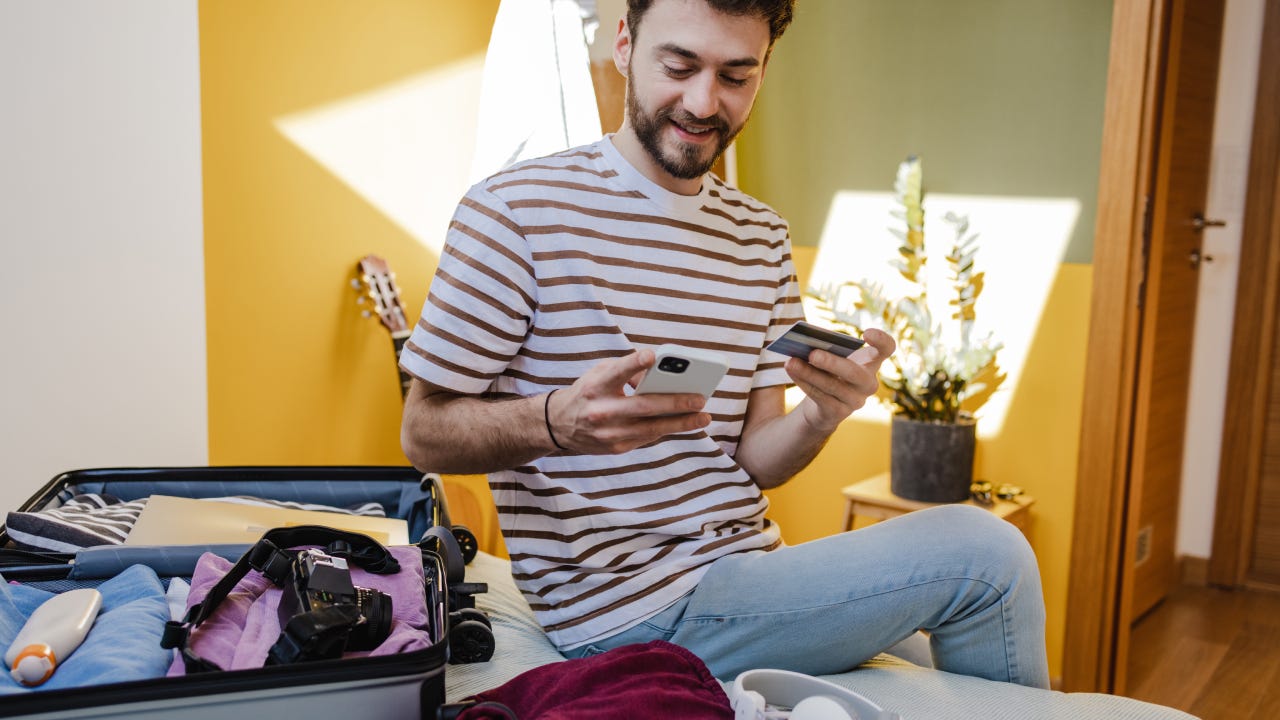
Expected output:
(963, 575)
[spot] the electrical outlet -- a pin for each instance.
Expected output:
(1142, 552)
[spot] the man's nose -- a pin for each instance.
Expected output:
(701, 97)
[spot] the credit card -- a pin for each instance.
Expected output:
(802, 338)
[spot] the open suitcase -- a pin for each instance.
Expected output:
(404, 685)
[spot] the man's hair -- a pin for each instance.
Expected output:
(777, 13)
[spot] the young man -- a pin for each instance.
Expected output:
(635, 517)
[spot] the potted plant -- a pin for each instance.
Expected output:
(942, 372)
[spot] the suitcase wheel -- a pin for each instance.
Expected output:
(470, 641)
(465, 614)
(467, 543)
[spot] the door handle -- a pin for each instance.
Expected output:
(1199, 222)
(1195, 257)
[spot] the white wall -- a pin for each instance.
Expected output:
(102, 282)
(1232, 132)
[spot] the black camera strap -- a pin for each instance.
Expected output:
(271, 557)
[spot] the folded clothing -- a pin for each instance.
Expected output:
(123, 645)
(245, 625)
(92, 519)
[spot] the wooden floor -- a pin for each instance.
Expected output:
(1212, 653)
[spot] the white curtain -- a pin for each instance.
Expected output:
(536, 97)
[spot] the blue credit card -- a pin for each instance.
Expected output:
(802, 338)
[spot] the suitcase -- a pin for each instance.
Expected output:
(409, 684)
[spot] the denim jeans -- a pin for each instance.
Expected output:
(966, 577)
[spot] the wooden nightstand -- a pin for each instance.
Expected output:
(872, 498)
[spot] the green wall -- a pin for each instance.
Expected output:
(1000, 97)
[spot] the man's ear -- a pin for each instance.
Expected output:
(622, 47)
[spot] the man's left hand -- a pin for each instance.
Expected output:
(835, 386)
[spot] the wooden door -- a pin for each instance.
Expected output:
(1263, 227)
(1180, 186)
(1108, 500)
(1246, 528)
(1264, 555)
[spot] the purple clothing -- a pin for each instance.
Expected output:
(245, 625)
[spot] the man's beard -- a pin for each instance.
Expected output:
(687, 161)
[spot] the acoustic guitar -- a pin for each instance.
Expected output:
(380, 297)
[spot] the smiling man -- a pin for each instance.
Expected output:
(684, 108)
(637, 517)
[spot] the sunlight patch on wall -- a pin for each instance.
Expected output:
(1022, 242)
(404, 148)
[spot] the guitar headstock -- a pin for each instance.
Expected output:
(377, 286)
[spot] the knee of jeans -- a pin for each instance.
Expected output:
(989, 536)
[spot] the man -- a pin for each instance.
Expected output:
(631, 518)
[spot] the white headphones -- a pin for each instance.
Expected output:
(756, 695)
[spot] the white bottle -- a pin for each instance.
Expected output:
(51, 634)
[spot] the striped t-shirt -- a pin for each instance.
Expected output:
(557, 263)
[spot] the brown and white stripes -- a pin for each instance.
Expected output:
(557, 263)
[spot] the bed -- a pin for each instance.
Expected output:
(892, 681)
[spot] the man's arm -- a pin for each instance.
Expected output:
(449, 432)
(775, 444)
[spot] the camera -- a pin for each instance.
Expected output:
(673, 364)
(332, 614)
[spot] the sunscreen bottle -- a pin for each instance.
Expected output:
(51, 634)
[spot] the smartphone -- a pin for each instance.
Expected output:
(684, 370)
(800, 339)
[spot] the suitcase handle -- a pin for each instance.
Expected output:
(440, 540)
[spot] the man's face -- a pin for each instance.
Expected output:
(692, 77)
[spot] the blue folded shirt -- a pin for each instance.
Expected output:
(123, 645)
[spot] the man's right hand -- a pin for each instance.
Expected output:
(595, 416)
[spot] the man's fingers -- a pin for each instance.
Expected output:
(880, 345)
(658, 427)
(616, 372)
(641, 431)
(835, 376)
(658, 404)
(634, 382)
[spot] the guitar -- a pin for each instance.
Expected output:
(377, 287)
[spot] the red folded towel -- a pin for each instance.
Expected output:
(650, 680)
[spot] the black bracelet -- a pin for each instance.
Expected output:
(546, 417)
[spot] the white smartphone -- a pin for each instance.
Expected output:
(684, 370)
(800, 339)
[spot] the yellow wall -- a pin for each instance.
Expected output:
(296, 376)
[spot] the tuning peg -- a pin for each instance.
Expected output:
(365, 314)
(355, 283)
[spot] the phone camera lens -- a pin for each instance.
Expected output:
(673, 365)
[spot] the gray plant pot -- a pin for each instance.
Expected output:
(931, 462)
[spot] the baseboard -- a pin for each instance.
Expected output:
(1261, 586)
(1195, 570)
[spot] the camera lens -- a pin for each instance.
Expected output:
(673, 365)
(375, 607)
